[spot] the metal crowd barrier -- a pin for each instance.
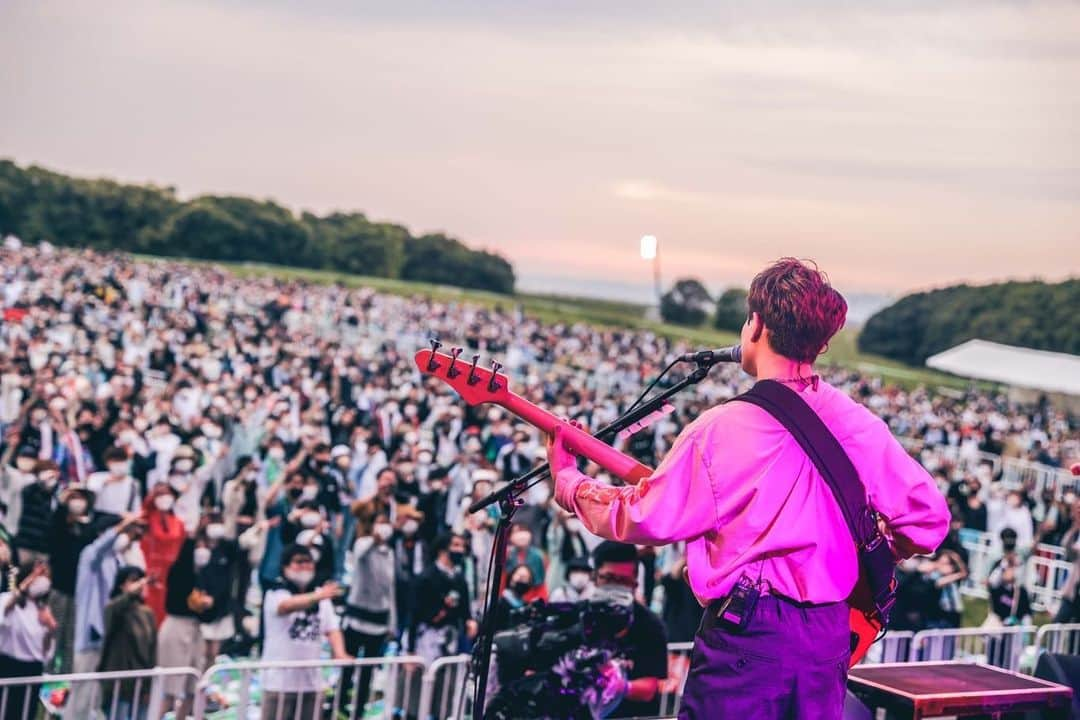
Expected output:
(1016, 472)
(444, 688)
(1045, 579)
(125, 695)
(894, 647)
(399, 683)
(671, 688)
(1002, 647)
(1063, 638)
(409, 688)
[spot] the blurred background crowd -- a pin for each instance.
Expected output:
(183, 447)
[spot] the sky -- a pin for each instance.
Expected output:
(902, 145)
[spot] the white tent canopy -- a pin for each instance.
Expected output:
(1022, 367)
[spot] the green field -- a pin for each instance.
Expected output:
(556, 308)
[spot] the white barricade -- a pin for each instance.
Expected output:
(1002, 647)
(108, 695)
(671, 689)
(444, 688)
(399, 680)
(1037, 477)
(1044, 579)
(1063, 638)
(981, 557)
(894, 647)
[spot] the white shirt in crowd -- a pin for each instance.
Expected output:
(296, 636)
(114, 495)
(22, 636)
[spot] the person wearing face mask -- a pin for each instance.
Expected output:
(410, 555)
(15, 478)
(579, 583)
(180, 641)
(189, 482)
(281, 501)
(518, 588)
(27, 632)
(98, 564)
(163, 538)
(116, 490)
(130, 642)
(305, 515)
(644, 643)
(434, 505)
(74, 526)
(523, 552)
(274, 461)
(216, 561)
(38, 501)
(442, 602)
(321, 546)
(1017, 516)
(298, 616)
(243, 500)
(371, 606)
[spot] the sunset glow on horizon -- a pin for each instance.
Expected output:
(902, 146)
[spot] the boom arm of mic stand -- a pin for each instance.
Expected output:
(606, 433)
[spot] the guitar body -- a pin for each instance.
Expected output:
(863, 619)
(478, 385)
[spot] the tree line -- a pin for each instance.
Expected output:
(37, 204)
(1035, 314)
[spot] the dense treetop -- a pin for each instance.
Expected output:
(1037, 315)
(37, 204)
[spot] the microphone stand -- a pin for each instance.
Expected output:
(509, 499)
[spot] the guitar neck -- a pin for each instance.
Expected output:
(478, 385)
(618, 464)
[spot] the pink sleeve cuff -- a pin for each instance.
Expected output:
(566, 484)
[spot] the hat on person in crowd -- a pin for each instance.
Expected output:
(76, 488)
(578, 563)
(482, 474)
(340, 451)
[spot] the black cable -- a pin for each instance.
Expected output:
(651, 385)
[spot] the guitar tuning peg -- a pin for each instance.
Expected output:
(432, 366)
(452, 372)
(493, 385)
(472, 380)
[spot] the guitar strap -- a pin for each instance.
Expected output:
(824, 450)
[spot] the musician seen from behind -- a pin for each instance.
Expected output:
(764, 531)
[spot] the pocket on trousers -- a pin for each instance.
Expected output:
(719, 639)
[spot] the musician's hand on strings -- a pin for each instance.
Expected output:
(559, 457)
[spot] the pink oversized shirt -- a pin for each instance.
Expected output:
(738, 487)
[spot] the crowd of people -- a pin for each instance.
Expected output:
(196, 463)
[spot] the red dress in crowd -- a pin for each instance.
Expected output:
(160, 545)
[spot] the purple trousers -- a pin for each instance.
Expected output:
(789, 663)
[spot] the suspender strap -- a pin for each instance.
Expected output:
(824, 450)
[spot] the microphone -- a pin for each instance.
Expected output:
(731, 354)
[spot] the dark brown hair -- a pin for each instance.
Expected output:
(798, 306)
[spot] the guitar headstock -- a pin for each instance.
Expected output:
(475, 384)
